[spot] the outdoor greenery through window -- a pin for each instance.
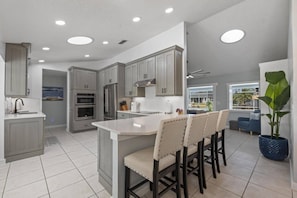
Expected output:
(201, 98)
(244, 96)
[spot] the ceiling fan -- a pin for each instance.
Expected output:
(198, 73)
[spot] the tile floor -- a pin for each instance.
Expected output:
(68, 169)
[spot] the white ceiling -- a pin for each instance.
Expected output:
(264, 21)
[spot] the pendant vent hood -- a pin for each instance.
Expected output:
(146, 83)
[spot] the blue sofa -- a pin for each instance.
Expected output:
(251, 124)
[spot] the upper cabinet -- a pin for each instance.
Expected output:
(131, 90)
(83, 79)
(169, 77)
(146, 69)
(16, 70)
(111, 75)
(114, 74)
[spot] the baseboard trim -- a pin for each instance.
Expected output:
(293, 183)
(55, 126)
(2, 161)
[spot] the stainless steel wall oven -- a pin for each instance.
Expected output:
(85, 99)
(85, 112)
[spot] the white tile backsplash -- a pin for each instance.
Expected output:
(151, 102)
(30, 104)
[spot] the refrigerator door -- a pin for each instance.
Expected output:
(110, 102)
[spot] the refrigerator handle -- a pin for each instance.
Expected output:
(106, 100)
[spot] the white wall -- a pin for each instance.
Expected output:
(2, 72)
(292, 62)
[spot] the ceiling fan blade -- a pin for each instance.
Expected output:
(197, 71)
(202, 73)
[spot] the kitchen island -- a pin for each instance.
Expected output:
(118, 138)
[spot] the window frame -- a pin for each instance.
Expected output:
(230, 95)
(214, 85)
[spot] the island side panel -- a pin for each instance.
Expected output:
(123, 146)
(105, 159)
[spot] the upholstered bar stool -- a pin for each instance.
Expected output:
(192, 149)
(209, 143)
(220, 137)
(156, 162)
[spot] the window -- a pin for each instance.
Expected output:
(244, 96)
(201, 98)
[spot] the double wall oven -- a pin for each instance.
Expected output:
(85, 106)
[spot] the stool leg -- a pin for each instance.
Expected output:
(217, 152)
(177, 166)
(212, 157)
(155, 179)
(185, 163)
(200, 179)
(127, 181)
(223, 147)
(202, 164)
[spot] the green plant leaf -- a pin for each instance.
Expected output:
(274, 77)
(282, 99)
(265, 99)
(282, 113)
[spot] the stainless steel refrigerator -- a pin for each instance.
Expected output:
(110, 101)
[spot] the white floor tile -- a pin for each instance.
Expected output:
(85, 160)
(78, 190)
(58, 168)
(21, 167)
(33, 190)
(62, 180)
(94, 183)
(103, 194)
(50, 161)
(24, 179)
(89, 170)
(258, 191)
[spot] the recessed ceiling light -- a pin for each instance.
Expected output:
(41, 61)
(136, 19)
(105, 42)
(80, 40)
(46, 48)
(87, 55)
(232, 36)
(60, 22)
(168, 10)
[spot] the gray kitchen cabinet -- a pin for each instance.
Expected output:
(123, 115)
(111, 75)
(147, 69)
(84, 79)
(16, 70)
(169, 77)
(130, 79)
(23, 138)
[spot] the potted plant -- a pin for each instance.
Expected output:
(276, 97)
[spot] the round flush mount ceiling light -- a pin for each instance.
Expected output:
(232, 36)
(45, 48)
(136, 19)
(168, 10)
(87, 55)
(41, 61)
(60, 22)
(105, 42)
(80, 40)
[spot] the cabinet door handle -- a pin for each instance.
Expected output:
(144, 76)
(110, 80)
(165, 90)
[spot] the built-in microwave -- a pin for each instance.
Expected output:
(85, 99)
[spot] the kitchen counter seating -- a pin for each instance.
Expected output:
(119, 138)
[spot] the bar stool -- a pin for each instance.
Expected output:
(154, 163)
(220, 137)
(209, 143)
(192, 149)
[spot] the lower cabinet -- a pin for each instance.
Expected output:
(23, 138)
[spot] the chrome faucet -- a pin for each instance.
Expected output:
(15, 104)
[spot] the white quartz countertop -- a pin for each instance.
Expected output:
(140, 113)
(24, 116)
(147, 125)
